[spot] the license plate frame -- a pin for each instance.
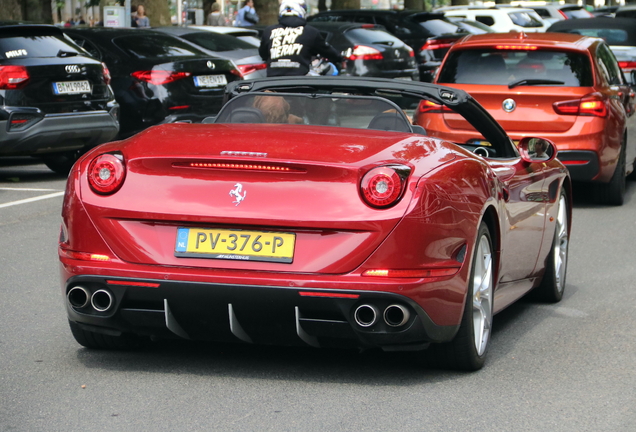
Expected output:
(214, 243)
(72, 87)
(210, 81)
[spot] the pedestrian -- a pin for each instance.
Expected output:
(247, 15)
(289, 46)
(142, 20)
(216, 18)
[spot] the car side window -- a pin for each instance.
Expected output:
(608, 65)
(485, 19)
(88, 46)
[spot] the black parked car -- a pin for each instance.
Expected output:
(429, 34)
(55, 101)
(369, 51)
(244, 55)
(157, 78)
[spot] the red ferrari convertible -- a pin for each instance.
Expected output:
(311, 211)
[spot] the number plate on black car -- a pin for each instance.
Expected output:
(71, 87)
(210, 80)
(235, 245)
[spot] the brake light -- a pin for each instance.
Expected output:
(106, 74)
(517, 47)
(382, 186)
(84, 256)
(410, 50)
(13, 77)
(430, 107)
(248, 69)
(627, 64)
(106, 173)
(160, 77)
(363, 52)
(591, 105)
(433, 44)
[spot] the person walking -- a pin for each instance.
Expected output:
(247, 15)
(289, 46)
(216, 18)
(142, 20)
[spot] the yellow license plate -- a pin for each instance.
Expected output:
(235, 244)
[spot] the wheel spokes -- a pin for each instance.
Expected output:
(482, 295)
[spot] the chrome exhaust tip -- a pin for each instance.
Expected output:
(396, 315)
(102, 300)
(365, 315)
(78, 297)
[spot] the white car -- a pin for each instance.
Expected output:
(503, 20)
(248, 35)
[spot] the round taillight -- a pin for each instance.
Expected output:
(106, 74)
(106, 173)
(381, 187)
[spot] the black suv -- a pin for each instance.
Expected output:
(429, 34)
(55, 100)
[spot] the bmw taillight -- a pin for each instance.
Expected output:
(627, 64)
(106, 74)
(106, 173)
(13, 77)
(159, 77)
(247, 69)
(364, 52)
(383, 186)
(430, 107)
(591, 105)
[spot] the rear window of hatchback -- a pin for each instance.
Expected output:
(35, 46)
(503, 67)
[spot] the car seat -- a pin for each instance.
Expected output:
(389, 121)
(246, 115)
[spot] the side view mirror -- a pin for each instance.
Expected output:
(537, 149)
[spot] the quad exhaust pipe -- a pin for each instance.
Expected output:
(395, 315)
(79, 297)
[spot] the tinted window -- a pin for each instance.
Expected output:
(217, 42)
(524, 19)
(34, 46)
(153, 46)
(485, 19)
(626, 13)
(611, 36)
(543, 13)
(440, 27)
(371, 36)
(501, 67)
(608, 65)
(328, 18)
(577, 13)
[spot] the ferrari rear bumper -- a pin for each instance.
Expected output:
(251, 313)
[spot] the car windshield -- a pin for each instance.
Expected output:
(507, 67)
(35, 46)
(321, 110)
(217, 42)
(612, 36)
(155, 46)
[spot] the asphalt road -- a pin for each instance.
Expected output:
(565, 367)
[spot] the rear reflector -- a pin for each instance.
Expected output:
(574, 162)
(179, 107)
(133, 283)
(412, 273)
(236, 166)
(327, 294)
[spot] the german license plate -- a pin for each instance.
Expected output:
(235, 244)
(71, 87)
(210, 80)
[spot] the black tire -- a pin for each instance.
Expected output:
(463, 352)
(103, 341)
(61, 163)
(613, 193)
(553, 282)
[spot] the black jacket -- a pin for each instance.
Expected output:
(289, 46)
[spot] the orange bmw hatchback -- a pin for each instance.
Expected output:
(563, 87)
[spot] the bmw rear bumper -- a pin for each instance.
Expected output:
(250, 314)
